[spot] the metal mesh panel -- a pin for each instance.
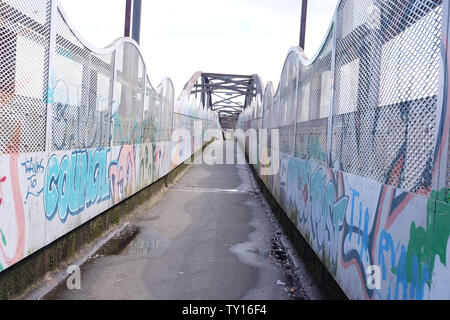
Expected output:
(82, 89)
(267, 104)
(130, 90)
(274, 110)
(149, 129)
(287, 112)
(183, 121)
(167, 96)
(313, 106)
(102, 71)
(24, 28)
(157, 112)
(387, 66)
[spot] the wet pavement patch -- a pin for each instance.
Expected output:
(149, 243)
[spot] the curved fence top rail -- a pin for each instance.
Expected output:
(304, 59)
(300, 53)
(188, 87)
(111, 48)
(116, 44)
(366, 118)
(86, 119)
(374, 86)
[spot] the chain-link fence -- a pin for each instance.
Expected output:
(24, 29)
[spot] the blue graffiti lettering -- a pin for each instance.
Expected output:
(75, 183)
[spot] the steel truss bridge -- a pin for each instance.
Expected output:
(227, 94)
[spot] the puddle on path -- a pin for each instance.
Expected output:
(118, 242)
(149, 244)
(136, 241)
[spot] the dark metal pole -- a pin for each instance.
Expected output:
(303, 24)
(137, 9)
(128, 6)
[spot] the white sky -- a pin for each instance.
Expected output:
(180, 37)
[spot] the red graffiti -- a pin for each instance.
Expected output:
(122, 173)
(13, 150)
(2, 180)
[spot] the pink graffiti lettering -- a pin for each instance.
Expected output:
(121, 173)
(13, 150)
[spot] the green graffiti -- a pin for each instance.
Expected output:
(316, 149)
(444, 195)
(425, 244)
(4, 243)
(311, 147)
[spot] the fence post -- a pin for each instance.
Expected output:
(144, 85)
(295, 107)
(278, 119)
(439, 180)
(332, 90)
(112, 93)
(51, 75)
(172, 106)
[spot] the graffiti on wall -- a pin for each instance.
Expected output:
(77, 123)
(353, 224)
(146, 162)
(15, 205)
(316, 198)
(367, 166)
(34, 168)
(122, 173)
(75, 182)
(80, 135)
(68, 184)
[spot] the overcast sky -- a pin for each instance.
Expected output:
(180, 37)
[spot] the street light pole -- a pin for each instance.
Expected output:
(303, 24)
(137, 9)
(128, 6)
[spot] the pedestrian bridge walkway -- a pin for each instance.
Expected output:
(351, 144)
(210, 236)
